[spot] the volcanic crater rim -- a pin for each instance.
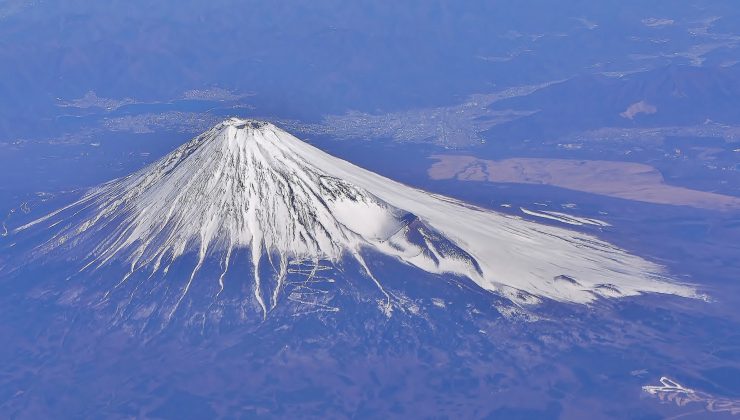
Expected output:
(240, 123)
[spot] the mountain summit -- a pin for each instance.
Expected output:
(248, 186)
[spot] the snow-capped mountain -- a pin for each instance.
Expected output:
(248, 194)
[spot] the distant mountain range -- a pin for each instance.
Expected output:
(670, 95)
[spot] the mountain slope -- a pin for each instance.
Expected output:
(247, 185)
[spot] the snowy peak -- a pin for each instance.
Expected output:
(244, 184)
(247, 184)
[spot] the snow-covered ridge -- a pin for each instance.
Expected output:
(248, 184)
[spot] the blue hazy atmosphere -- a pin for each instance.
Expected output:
(616, 119)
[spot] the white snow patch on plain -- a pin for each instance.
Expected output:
(669, 390)
(440, 303)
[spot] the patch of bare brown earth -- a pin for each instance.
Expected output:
(630, 181)
(641, 107)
